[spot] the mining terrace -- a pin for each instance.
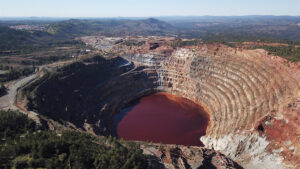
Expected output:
(252, 97)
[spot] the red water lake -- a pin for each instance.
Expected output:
(163, 118)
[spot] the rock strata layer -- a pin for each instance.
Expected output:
(247, 94)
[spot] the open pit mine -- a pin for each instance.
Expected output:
(235, 104)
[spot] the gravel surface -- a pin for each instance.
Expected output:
(7, 101)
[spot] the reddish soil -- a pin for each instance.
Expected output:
(283, 133)
(164, 118)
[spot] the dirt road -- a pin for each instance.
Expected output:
(7, 101)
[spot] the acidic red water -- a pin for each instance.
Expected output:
(163, 118)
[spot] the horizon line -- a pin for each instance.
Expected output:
(142, 16)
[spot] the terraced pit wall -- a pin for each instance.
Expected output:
(238, 90)
(88, 94)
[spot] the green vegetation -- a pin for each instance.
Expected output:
(21, 42)
(133, 43)
(13, 42)
(30, 91)
(46, 60)
(10, 38)
(290, 53)
(240, 29)
(75, 27)
(209, 29)
(14, 124)
(240, 37)
(183, 43)
(14, 74)
(24, 147)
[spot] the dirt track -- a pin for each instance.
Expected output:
(7, 101)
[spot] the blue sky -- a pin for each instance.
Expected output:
(142, 8)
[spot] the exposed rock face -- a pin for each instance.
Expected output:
(101, 43)
(89, 95)
(239, 88)
(250, 97)
(172, 157)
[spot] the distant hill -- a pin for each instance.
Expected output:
(12, 39)
(19, 41)
(238, 28)
(64, 32)
(113, 27)
(209, 28)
